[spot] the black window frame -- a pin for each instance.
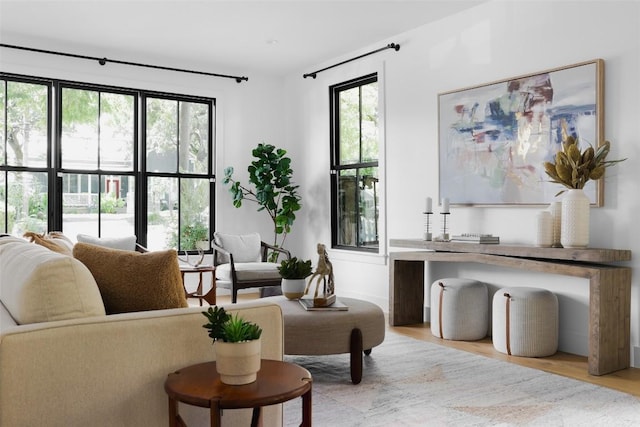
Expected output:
(54, 151)
(336, 167)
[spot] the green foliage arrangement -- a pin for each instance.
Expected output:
(274, 191)
(222, 326)
(192, 234)
(574, 169)
(295, 268)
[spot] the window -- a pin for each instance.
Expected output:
(123, 162)
(354, 164)
(97, 146)
(24, 155)
(177, 167)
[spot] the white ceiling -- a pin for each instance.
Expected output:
(276, 37)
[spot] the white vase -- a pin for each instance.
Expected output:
(555, 209)
(238, 362)
(575, 219)
(293, 288)
(544, 236)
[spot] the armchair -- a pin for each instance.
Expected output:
(241, 262)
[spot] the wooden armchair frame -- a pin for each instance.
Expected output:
(237, 284)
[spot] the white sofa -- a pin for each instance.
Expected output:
(76, 369)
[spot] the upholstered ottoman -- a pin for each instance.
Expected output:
(459, 309)
(311, 333)
(525, 322)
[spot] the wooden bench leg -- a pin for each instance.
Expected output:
(356, 356)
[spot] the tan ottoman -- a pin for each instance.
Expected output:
(312, 333)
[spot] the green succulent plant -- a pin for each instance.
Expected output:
(574, 169)
(295, 268)
(225, 327)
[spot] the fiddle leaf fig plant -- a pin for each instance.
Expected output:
(273, 190)
(225, 327)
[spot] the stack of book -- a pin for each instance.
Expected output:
(476, 238)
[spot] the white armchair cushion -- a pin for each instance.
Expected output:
(248, 271)
(126, 243)
(244, 248)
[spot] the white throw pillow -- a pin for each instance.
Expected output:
(127, 243)
(39, 285)
(244, 248)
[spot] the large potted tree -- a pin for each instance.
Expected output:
(274, 191)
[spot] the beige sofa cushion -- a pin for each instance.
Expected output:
(39, 285)
(133, 281)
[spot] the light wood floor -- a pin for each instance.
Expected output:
(568, 365)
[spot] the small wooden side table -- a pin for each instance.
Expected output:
(200, 385)
(210, 296)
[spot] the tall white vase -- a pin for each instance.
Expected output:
(575, 219)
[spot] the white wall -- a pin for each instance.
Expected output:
(493, 41)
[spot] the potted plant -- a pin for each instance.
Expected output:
(237, 346)
(274, 191)
(294, 271)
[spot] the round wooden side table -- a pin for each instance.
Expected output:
(200, 385)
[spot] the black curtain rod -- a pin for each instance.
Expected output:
(393, 46)
(103, 61)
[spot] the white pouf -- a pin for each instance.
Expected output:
(459, 309)
(525, 322)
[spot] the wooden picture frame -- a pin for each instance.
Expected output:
(494, 138)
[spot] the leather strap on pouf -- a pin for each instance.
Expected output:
(440, 308)
(507, 321)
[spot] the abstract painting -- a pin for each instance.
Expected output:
(495, 138)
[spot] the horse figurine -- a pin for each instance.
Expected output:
(324, 274)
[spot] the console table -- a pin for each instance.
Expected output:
(609, 286)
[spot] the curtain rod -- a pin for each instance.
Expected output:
(103, 61)
(393, 46)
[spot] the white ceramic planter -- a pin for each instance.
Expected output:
(575, 219)
(293, 288)
(238, 363)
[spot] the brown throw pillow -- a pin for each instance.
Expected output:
(134, 281)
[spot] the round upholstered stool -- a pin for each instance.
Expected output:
(355, 330)
(459, 309)
(525, 322)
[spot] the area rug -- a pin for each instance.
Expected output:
(407, 382)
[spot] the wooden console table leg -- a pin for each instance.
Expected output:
(356, 355)
(406, 292)
(610, 317)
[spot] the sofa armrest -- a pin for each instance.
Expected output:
(110, 370)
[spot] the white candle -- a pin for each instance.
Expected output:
(428, 208)
(445, 205)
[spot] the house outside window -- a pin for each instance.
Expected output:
(122, 162)
(355, 197)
